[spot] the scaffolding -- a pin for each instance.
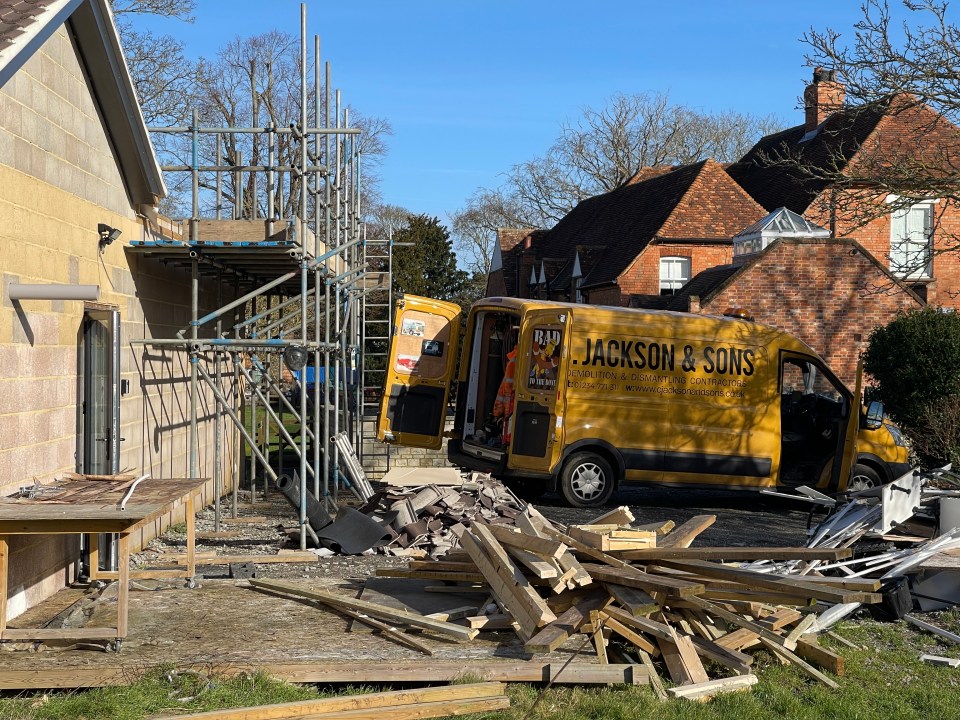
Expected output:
(314, 294)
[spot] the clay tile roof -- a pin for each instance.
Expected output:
(693, 202)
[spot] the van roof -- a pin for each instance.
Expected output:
(719, 323)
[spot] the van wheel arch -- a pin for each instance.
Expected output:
(602, 448)
(875, 464)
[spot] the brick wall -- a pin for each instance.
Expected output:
(642, 277)
(826, 292)
(875, 237)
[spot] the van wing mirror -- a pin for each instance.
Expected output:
(874, 416)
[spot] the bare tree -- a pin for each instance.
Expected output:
(603, 150)
(255, 82)
(907, 69)
(165, 80)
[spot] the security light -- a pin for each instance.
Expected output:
(107, 235)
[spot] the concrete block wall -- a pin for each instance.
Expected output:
(59, 180)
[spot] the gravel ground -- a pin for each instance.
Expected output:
(742, 519)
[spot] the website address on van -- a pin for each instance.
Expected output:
(693, 392)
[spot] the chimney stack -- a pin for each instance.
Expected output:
(823, 97)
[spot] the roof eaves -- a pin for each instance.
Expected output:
(98, 44)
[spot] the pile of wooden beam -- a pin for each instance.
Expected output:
(642, 594)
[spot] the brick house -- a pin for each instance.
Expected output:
(863, 141)
(78, 181)
(646, 238)
(772, 277)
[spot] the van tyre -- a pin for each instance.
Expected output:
(863, 477)
(586, 480)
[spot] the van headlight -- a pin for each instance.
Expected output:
(898, 437)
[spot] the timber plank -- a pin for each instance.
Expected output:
(384, 701)
(623, 631)
(631, 577)
(785, 584)
(504, 584)
(736, 553)
(706, 690)
(85, 676)
(811, 651)
(381, 611)
(634, 600)
(568, 623)
(686, 533)
(525, 541)
(506, 567)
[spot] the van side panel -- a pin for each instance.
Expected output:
(685, 400)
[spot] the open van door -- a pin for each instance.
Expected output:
(849, 453)
(422, 361)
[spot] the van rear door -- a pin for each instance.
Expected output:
(421, 365)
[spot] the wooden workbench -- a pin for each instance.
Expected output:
(85, 508)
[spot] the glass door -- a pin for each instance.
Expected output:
(101, 397)
(100, 409)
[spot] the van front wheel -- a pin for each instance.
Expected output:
(586, 480)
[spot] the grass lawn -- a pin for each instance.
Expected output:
(885, 679)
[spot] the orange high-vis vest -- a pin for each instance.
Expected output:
(503, 406)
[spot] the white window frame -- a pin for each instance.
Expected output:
(911, 254)
(670, 281)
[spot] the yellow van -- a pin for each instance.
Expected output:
(579, 398)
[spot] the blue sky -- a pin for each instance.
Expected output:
(473, 88)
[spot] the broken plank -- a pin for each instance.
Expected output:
(686, 533)
(599, 642)
(499, 621)
(656, 683)
(705, 690)
(718, 611)
(383, 701)
(508, 584)
(381, 611)
(567, 624)
(534, 563)
(681, 660)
